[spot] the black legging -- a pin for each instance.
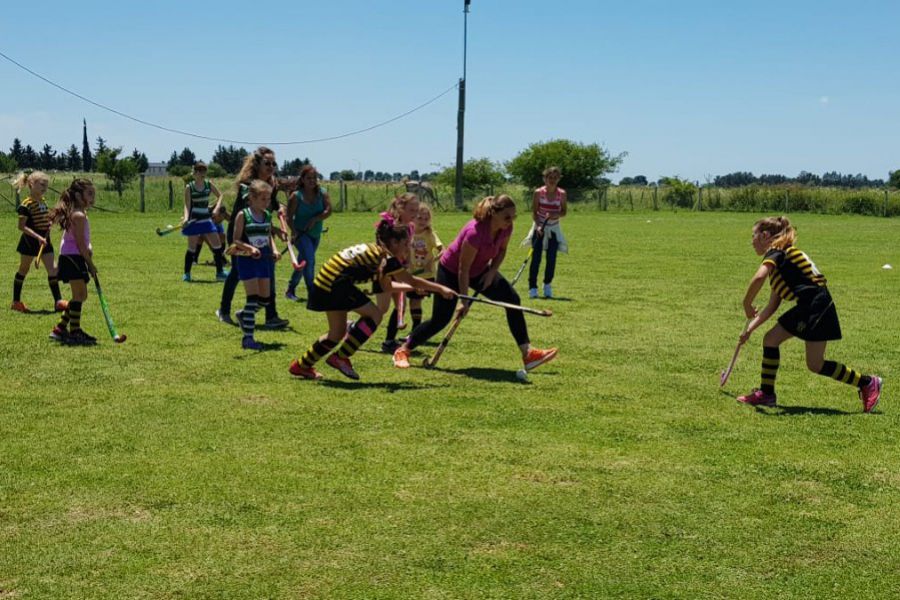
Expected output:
(442, 309)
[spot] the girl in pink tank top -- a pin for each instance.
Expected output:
(76, 264)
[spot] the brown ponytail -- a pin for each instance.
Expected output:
(491, 205)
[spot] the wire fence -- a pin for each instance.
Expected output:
(166, 194)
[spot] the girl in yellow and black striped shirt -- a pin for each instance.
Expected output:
(34, 223)
(793, 276)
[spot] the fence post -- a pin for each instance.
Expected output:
(655, 205)
(171, 195)
(18, 198)
(885, 202)
(630, 200)
(142, 192)
(786, 200)
(343, 193)
(605, 199)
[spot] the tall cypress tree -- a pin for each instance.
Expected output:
(86, 159)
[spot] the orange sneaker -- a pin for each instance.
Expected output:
(298, 370)
(536, 357)
(61, 305)
(401, 358)
(20, 307)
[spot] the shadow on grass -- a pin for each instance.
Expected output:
(791, 411)
(266, 347)
(43, 311)
(483, 373)
(388, 386)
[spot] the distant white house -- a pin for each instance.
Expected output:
(156, 169)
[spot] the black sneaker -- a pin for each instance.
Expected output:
(59, 334)
(80, 338)
(276, 323)
(389, 346)
(224, 317)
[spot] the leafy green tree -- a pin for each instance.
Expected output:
(73, 158)
(101, 145)
(87, 160)
(348, 175)
(894, 179)
(477, 173)
(187, 158)
(217, 170)
(30, 159)
(334, 176)
(178, 170)
(680, 192)
(16, 151)
(7, 163)
(230, 158)
(582, 165)
(47, 157)
(140, 159)
(120, 171)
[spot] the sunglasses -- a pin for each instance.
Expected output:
(269, 163)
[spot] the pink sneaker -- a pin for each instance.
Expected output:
(298, 370)
(343, 365)
(871, 394)
(757, 398)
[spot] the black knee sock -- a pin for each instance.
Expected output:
(188, 261)
(219, 257)
(770, 362)
(196, 256)
(416, 314)
(842, 373)
(315, 353)
(17, 287)
(53, 282)
(357, 336)
(391, 326)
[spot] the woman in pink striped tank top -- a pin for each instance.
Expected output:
(547, 208)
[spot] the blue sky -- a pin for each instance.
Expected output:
(691, 88)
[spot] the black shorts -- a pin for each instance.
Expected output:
(345, 297)
(813, 319)
(72, 267)
(29, 246)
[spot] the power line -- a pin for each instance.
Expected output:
(225, 140)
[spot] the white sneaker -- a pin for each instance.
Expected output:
(532, 293)
(548, 291)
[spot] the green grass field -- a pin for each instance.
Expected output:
(178, 466)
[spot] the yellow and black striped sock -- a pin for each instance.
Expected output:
(770, 362)
(416, 314)
(842, 373)
(74, 312)
(53, 282)
(64, 318)
(356, 337)
(17, 287)
(315, 353)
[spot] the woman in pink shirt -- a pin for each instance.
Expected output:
(473, 260)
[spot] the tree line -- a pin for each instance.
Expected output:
(745, 178)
